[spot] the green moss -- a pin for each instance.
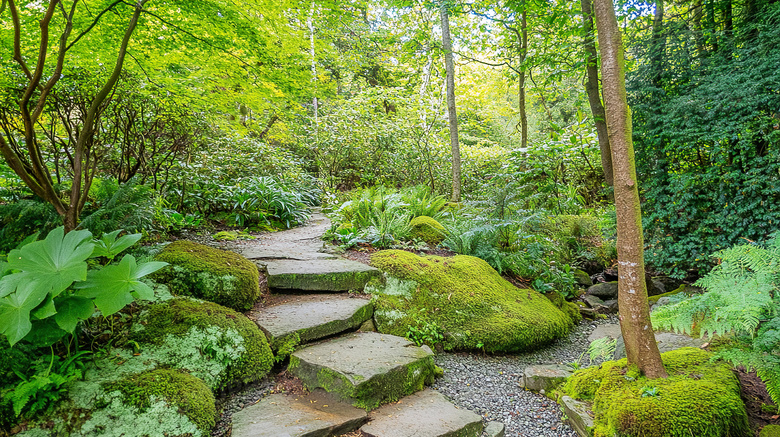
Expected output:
(226, 236)
(571, 309)
(179, 389)
(215, 275)
(699, 398)
(770, 431)
(680, 289)
(217, 344)
(286, 346)
(475, 307)
(427, 229)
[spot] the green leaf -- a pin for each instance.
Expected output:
(109, 247)
(54, 263)
(71, 310)
(111, 286)
(15, 311)
(44, 333)
(46, 310)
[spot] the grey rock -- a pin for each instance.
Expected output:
(582, 278)
(366, 368)
(594, 302)
(655, 287)
(669, 283)
(611, 330)
(368, 326)
(316, 414)
(301, 243)
(545, 377)
(427, 413)
(607, 290)
(578, 416)
(495, 429)
(667, 341)
(311, 317)
(319, 274)
(612, 305)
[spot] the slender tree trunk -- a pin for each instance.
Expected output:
(658, 45)
(521, 100)
(641, 348)
(592, 89)
(697, 12)
(450, 65)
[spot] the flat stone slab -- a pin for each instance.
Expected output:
(335, 275)
(611, 330)
(545, 376)
(495, 429)
(301, 243)
(427, 413)
(578, 416)
(316, 414)
(311, 317)
(667, 341)
(366, 368)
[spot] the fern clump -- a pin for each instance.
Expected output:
(742, 299)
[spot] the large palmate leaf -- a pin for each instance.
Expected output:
(71, 310)
(109, 246)
(15, 311)
(116, 285)
(52, 264)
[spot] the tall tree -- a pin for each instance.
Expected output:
(446, 42)
(641, 347)
(592, 89)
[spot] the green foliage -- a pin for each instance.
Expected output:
(471, 304)
(25, 217)
(699, 398)
(109, 247)
(423, 332)
(375, 215)
(46, 285)
(128, 206)
(179, 389)
(262, 200)
(214, 343)
(216, 275)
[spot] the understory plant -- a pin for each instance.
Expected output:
(741, 299)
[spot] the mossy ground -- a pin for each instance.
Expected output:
(699, 398)
(179, 389)
(474, 306)
(427, 229)
(223, 341)
(770, 431)
(215, 275)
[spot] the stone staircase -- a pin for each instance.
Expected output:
(358, 380)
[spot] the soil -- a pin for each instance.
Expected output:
(757, 400)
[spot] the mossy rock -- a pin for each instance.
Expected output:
(214, 343)
(219, 276)
(427, 229)
(770, 431)
(178, 389)
(699, 398)
(571, 309)
(463, 297)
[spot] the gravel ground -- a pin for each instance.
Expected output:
(485, 384)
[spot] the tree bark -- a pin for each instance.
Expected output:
(521, 101)
(641, 348)
(446, 43)
(592, 89)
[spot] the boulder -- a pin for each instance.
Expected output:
(215, 275)
(770, 431)
(604, 290)
(582, 278)
(578, 416)
(427, 229)
(545, 376)
(462, 303)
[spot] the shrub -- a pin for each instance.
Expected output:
(23, 218)
(427, 229)
(212, 274)
(216, 344)
(178, 389)
(129, 206)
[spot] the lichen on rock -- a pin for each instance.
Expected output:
(427, 229)
(699, 398)
(473, 305)
(219, 345)
(207, 273)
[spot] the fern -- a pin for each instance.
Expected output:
(129, 207)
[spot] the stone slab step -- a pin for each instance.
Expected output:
(310, 317)
(316, 414)
(366, 368)
(545, 376)
(334, 275)
(578, 416)
(427, 413)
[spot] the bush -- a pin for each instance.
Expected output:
(699, 398)
(214, 343)
(427, 229)
(129, 206)
(23, 218)
(465, 299)
(212, 274)
(178, 389)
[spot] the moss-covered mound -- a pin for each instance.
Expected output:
(464, 299)
(571, 309)
(427, 229)
(699, 398)
(178, 389)
(215, 275)
(770, 431)
(214, 343)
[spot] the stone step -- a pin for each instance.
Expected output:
(366, 368)
(427, 413)
(316, 414)
(329, 275)
(305, 318)
(578, 416)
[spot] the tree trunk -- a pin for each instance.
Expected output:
(446, 43)
(641, 348)
(697, 12)
(592, 89)
(658, 45)
(521, 102)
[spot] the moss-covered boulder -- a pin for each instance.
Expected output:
(770, 431)
(218, 345)
(427, 229)
(175, 388)
(219, 276)
(571, 309)
(699, 398)
(462, 303)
